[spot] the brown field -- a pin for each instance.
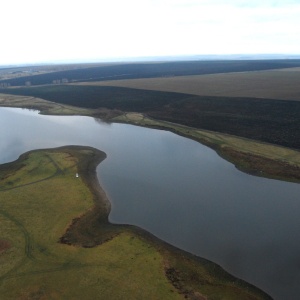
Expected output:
(274, 84)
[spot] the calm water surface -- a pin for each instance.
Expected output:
(182, 192)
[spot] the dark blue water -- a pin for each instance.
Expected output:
(182, 192)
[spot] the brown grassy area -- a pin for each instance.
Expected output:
(275, 84)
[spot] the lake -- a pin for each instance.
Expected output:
(182, 192)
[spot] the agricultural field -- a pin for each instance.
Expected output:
(104, 72)
(56, 241)
(281, 84)
(13, 72)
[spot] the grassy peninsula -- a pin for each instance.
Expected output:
(56, 241)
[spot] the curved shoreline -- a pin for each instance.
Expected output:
(187, 272)
(101, 200)
(277, 165)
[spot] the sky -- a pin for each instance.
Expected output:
(34, 31)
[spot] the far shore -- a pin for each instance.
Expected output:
(250, 156)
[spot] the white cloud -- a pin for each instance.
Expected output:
(35, 30)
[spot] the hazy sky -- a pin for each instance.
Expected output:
(47, 30)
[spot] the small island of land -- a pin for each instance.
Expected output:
(56, 241)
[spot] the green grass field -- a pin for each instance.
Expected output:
(40, 197)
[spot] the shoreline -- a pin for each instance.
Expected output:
(249, 156)
(92, 181)
(186, 272)
(282, 164)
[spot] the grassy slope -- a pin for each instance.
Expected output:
(40, 196)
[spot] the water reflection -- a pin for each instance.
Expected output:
(182, 192)
(102, 122)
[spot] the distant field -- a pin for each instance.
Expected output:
(242, 103)
(280, 84)
(152, 70)
(13, 72)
